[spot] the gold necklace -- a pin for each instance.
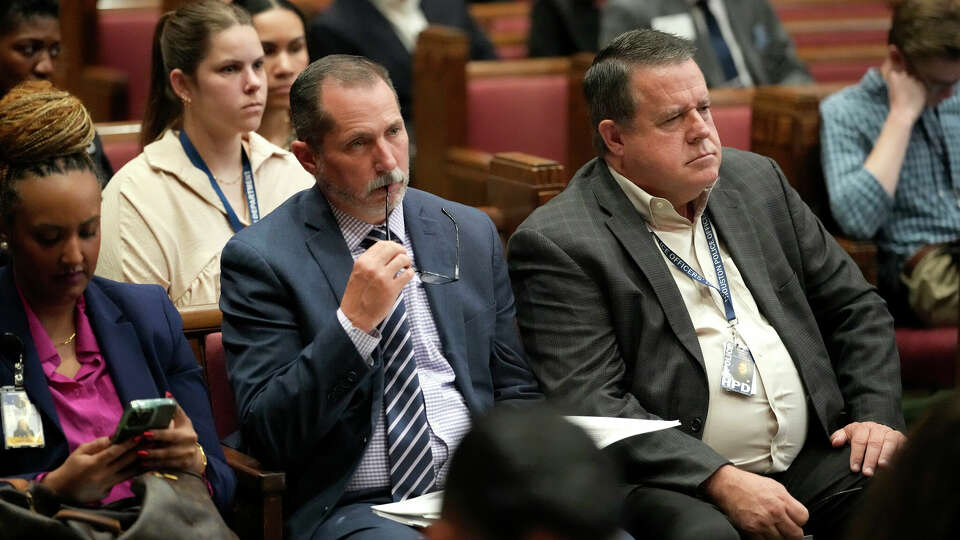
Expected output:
(68, 341)
(235, 180)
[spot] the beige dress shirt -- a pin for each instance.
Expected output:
(762, 433)
(162, 222)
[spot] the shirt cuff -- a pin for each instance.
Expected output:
(363, 341)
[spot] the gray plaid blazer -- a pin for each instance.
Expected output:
(608, 333)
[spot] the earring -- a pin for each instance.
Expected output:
(3, 244)
(186, 101)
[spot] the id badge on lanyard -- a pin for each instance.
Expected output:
(249, 189)
(21, 422)
(738, 371)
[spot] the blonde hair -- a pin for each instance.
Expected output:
(43, 131)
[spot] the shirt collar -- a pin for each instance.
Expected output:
(396, 6)
(657, 211)
(354, 229)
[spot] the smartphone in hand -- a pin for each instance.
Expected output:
(142, 415)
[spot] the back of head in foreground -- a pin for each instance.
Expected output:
(917, 496)
(528, 474)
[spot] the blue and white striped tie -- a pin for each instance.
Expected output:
(408, 433)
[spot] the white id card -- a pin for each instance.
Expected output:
(739, 372)
(22, 425)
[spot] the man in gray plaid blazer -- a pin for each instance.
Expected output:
(662, 284)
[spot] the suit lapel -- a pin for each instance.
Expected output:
(434, 245)
(120, 347)
(325, 241)
(15, 321)
(737, 233)
(628, 226)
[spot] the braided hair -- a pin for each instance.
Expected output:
(43, 131)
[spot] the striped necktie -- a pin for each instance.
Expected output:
(408, 433)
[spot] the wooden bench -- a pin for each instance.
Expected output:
(507, 24)
(535, 106)
(103, 90)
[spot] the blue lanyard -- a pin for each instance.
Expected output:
(249, 190)
(721, 286)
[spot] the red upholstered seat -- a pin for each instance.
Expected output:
(829, 8)
(519, 114)
(125, 41)
(222, 400)
(733, 124)
(120, 152)
(928, 357)
(850, 72)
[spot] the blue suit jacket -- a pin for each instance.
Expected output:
(141, 338)
(357, 27)
(307, 401)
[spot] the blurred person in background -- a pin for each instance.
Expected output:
(283, 37)
(891, 161)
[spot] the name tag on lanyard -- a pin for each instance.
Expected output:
(249, 189)
(19, 418)
(738, 370)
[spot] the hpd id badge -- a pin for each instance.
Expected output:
(739, 373)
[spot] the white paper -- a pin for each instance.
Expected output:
(418, 512)
(424, 510)
(605, 431)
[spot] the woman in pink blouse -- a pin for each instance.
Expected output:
(90, 345)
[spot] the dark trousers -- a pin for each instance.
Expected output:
(819, 478)
(354, 520)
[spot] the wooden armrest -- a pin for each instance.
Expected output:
(250, 474)
(495, 214)
(258, 506)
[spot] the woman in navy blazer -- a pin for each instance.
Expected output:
(113, 342)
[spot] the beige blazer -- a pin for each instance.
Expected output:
(162, 222)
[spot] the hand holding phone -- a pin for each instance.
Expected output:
(143, 415)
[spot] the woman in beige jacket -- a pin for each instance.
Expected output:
(203, 174)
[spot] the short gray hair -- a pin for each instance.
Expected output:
(607, 82)
(309, 119)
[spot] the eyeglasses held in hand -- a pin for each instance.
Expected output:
(430, 278)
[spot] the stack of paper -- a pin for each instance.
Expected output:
(423, 510)
(417, 512)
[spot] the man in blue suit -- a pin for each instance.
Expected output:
(358, 361)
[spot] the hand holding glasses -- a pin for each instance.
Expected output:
(430, 278)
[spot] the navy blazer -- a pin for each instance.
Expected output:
(306, 399)
(140, 335)
(357, 27)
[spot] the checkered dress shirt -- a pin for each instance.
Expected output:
(926, 206)
(447, 412)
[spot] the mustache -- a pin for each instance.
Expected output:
(391, 177)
